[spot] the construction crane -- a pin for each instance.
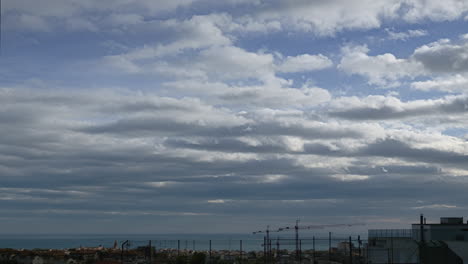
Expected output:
(296, 228)
(266, 241)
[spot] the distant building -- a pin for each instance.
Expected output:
(344, 247)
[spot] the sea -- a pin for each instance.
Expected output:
(248, 242)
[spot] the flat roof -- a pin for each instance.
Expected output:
(464, 224)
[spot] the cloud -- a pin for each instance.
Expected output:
(196, 33)
(29, 22)
(388, 107)
(219, 69)
(452, 84)
(412, 33)
(199, 111)
(322, 18)
(78, 24)
(396, 148)
(304, 62)
(77, 14)
(443, 56)
(418, 10)
(384, 70)
(330, 17)
(434, 59)
(435, 206)
(125, 19)
(229, 62)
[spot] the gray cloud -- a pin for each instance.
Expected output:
(398, 149)
(443, 56)
(382, 108)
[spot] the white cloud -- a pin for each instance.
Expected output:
(161, 184)
(217, 201)
(229, 62)
(261, 95)
(383, 70)
(412, 33)
(418, 10)
(323, 18)
(350, 177)
(437, 60)
(273, 178)
(435, 206)
(326, 18)
(453, 83)
(195, 33)
(304, 62)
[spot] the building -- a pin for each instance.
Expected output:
(449, 229)
(445, 242)
(391, 246)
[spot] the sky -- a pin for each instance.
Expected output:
(208, 116)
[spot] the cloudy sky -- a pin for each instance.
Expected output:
(207, 116)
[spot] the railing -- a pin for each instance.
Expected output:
(395, 233)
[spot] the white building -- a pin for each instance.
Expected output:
(449, 229)
(391, 246)
(402, 245)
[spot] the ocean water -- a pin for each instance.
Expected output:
(182, 241)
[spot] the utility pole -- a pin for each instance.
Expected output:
(269, 250)
(313, 248)
(296, 228)
(300, 251)
(359, 244)
(391, 242)
(329, 246)
(240, 260)
(278, 256)
(150, 253)
(178, 247)
(422, 243)
(210, 252)
(122, 252)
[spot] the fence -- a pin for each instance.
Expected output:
(383, 247)
(268, 250)
(396, 233)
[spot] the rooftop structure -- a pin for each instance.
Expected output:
(443, 242)
(449, 229)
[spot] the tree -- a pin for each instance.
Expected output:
(198, 258)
